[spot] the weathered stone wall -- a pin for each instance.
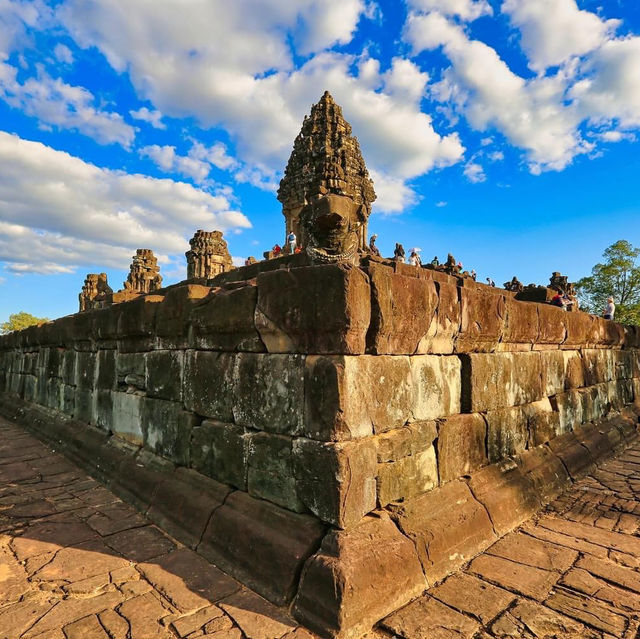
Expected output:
(395, 405)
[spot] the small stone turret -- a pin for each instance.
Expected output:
(94, 292)
(208, 256)
(326, 161)
(144, 275)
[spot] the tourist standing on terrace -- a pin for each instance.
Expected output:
(610, 309)
(292, 241)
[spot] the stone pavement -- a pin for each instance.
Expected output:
(78, 563)
(573, 572)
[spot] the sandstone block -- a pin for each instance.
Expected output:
(106, 370)
(576, 457)
(167, 429)
(219, 450)
(261, 544)
(336, 481)
(269, 392)
(448, 527)
(579, 328)
(164, 374)
(209, 384)
(482, 315)
(521, 323)
(270, 470)
(182, 504)
(507, 432)
(85, 370)
(545, 471)
(497, 380)
(543, 422)
(445, 324)
(138, 317)
(350, 397)
(127, 417)
(570, 410)
(319, 309)
(508, 495)
(403, 442)
(402, 309)
(224, 321)
(357, 577)
(130, 370)
(407, 476)
(173, 316)
(436, 386)
(461, 445)
(552, 324)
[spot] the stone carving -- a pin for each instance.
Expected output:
(144, 275)
(208, 256)
(514, 285)
(94, 292)
(331, 227)
(326, 192)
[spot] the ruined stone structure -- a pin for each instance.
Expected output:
(326, 192)
(95, 292)
(208, 256)
(144, 275)
(337, 436)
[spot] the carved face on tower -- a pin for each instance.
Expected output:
(332, 228)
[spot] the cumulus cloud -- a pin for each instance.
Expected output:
(196, 164)
(394, 195)
(63, 53)
(474, 173)
(153, 117)
(231, 65)
(55, 103)
(467, 10)
(531, 114)
(553, 31)
(610, 88)
(58, 212)
(15, 17)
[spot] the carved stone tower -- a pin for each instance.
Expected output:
(144, 275)
(94, 291)
(208, 255)
(326, 160)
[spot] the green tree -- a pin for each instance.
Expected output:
(21, 320)
(619, 277)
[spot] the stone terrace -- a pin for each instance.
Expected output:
(77, 563)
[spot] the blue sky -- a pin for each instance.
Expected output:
(503, 131)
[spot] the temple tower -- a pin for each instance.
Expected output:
(95, 290)
(326, 160)
(144, 275)
(208, 256)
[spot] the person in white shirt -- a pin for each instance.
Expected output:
(610, 309)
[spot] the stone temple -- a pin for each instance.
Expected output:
(336, 430)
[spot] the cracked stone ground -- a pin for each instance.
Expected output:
(78, 563)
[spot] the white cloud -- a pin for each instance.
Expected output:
(153, 117)
(615, 136)
(610, 89)
(394, 195)
(496, 156)
(15, 17)
(56, 103)
(532, 114)
(230, 65)
(58, 212)
(553, 31)
(63, 53)
(196, 164)
(441, 204)
(467, 10)
(474, 173)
